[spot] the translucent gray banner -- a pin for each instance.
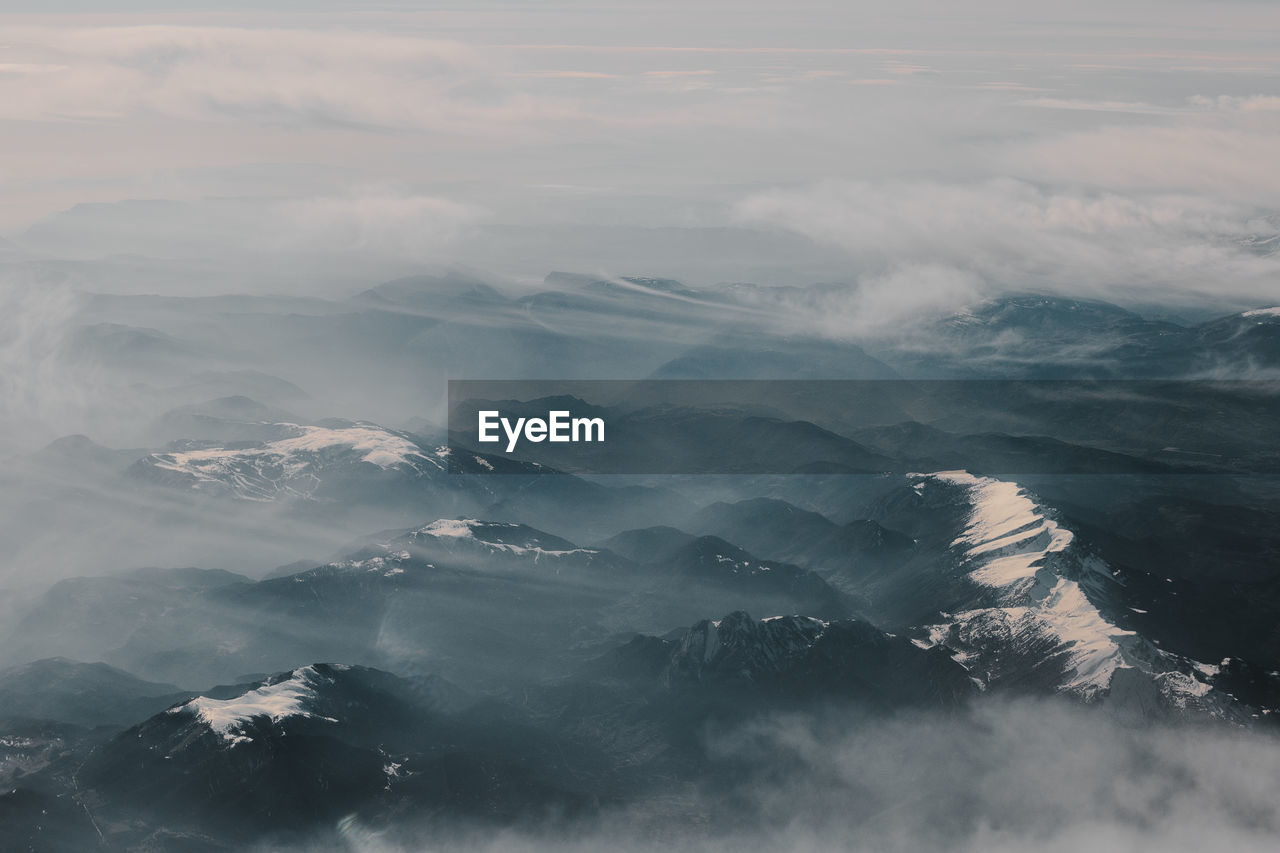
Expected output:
(864, 427)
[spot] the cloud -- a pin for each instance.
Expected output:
(1001, 778)
(364, 221)
(874, 306)
(370, 80)
(35, 390)
(1015, 235)
(1039, 775)
(263, 75)
(1153, 200)
(677, 123)
(1219, 147)
(569, 75)
(1250, 103)
(1218, 162)
(408, 226)
(701, 72)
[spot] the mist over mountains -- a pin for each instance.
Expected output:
(239, 620)
(936, 353)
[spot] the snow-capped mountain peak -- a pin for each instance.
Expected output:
(495, 537)
(1044, 622)
(292, 463)
(1007, 536)
(279, 698)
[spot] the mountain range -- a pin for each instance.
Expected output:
(259, 626)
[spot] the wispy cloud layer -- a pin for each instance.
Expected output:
(1016, 235)
(1005, 778)
(296, 77)
(1089, 151)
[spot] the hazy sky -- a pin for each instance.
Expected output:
(1084, 145)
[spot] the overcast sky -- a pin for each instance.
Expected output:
(1088, 145)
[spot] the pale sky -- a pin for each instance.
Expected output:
(1122, 144)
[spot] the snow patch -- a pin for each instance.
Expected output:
(456, 528)
(1180, 689)
(465, 529)
(286, 698)
(1093, 652)
(1006, 524)
(1011, 545)
(289, 465)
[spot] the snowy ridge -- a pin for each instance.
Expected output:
(288, 697)
(387, 566)
(458, 528)
(1014, 549)
(756, 647)
(462, 542)
(492, 535)
(1007, 536)
(290, 466)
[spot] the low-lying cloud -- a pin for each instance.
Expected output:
(1017, 235)
(35, 390)
(1003, 777)
(267, 75)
